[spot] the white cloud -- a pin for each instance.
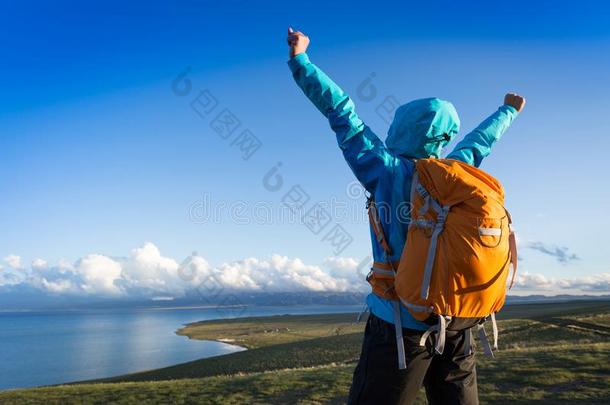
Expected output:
(39, 264)
(342, 265)
(145, 272)
(13, 261)
(278, 273)
(99, 275)
(93, 274)
(58, 287)
(599, 283)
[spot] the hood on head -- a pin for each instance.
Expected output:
(422, 128)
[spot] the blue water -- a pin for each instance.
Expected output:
(41, 348)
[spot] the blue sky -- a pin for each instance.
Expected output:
(99, 156)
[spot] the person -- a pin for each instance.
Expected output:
(420, 129)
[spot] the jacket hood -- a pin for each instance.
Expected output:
(422, 128)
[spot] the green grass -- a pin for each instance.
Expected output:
(271, 330)
(548, 354)
(307, 353)
(326, 384)
(551, 373)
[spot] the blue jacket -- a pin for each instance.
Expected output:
(420, 129)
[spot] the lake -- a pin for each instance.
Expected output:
(52, 347)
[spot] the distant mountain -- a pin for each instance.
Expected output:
(522, 299)
(27, 298)
(15, 298)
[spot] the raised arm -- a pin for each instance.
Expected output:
(365, 153)
(477, 144)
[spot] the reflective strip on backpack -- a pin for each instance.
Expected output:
(414, 307)
(490, 231)
(383, 272)
(423, 223)
(400, 343)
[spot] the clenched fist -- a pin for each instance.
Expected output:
(514, 100)
(297, 41)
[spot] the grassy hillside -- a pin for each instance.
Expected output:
(548, 353)
(270, 330)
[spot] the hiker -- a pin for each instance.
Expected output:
(420, 130)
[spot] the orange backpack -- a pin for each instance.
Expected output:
(458, 251)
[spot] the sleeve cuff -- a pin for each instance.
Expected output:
(510, 108)
(299, 60)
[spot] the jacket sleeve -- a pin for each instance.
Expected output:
(477, 144)
(364, 152)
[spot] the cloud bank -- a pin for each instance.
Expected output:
(599, 283)
(146, 273)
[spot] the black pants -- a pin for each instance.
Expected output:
(449, 378)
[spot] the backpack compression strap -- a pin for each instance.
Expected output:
(383, 242)
(512, 243)
(440, 330)
(377, 229)
(381, 276)
(437, 228)
(513, 256)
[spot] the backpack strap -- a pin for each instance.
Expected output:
(391, 272)
(432, 329)
(440, 329)
(438, 226)
(400, 343)
(377, 228)
(382, 274)
(365, 309)
(512, 242)
(494, 327)
(487, 347)
(484, 340)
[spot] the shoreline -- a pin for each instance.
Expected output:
(292, 357)
(255, 333)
